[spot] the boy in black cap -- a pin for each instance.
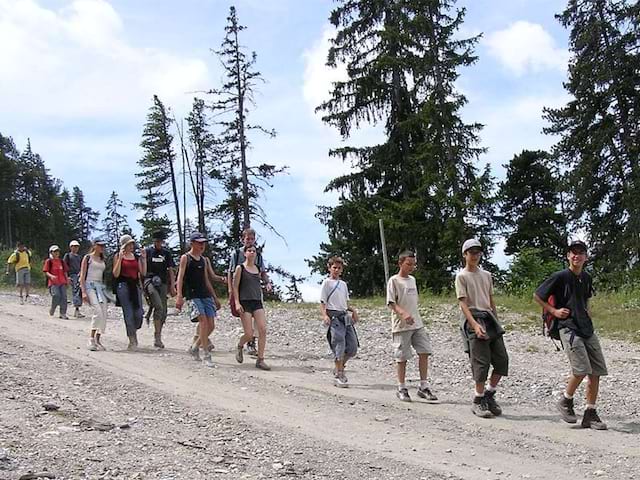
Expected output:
(158, 282)
(571, 289)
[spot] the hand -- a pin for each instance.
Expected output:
(172, 291)
(143, 253)
(239, 308)
(326, 320)
(269, 287)
(561, 312)
(480, 331)
(179, 303)
(354, 316)
(217, 303)
(408, 319)
(85, 298)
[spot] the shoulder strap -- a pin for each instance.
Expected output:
(333, 290)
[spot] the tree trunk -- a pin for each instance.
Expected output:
(174, 189)
(246, 217)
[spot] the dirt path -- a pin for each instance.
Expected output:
(296, 399)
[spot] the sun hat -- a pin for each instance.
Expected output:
(471, 243)
(126, 240)
(74, 243)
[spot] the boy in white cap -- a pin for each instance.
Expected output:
(73, 261)
(481, 330)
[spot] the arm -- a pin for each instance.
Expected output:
(492, 302)
(323, 312)
(46, 267)
(142, 263)
(236, 288)
(180, 281)
(83, 277)
(477, 328)
(401, 312)
(354, 313)
(117, 264)
(172, 281)
(556, 312)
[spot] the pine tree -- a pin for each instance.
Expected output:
(529, 200)
(243, 181)
(114, 223)
(599, 129)
(402, 59)
(82, 217)
(158, 174)
(151, 221)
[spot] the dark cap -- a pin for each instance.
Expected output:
(99, 241)
(197, 237)
(159, 235)
(577, 245)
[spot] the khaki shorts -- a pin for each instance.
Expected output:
(584, 354)
(403, 341)
(483, 354)
(23, 277)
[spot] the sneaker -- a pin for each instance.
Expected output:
(565, 407)
(590, 419)
(480, 408)
(21, 301)
(158, 343)
(64, 317)
(492, 405)
(93, 346)
(101, 347)
(262, 365)
(206, 360)
(195, 353)
(239, 355)
(52, 310)
(427, 394)
(403, 395)
(210, 347)
(340, 380)
(251, 349)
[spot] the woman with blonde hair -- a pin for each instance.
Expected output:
(94, 292)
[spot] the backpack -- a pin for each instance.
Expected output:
(550, 324)
(18, 252)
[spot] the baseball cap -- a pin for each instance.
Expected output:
(577, 245)
(74, 243)
(197, 237)
(53, 248)
(99, 241)
(471, 243)
(159, 235)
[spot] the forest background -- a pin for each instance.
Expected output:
(442, 145)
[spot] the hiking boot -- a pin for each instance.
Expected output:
(590, 419)
(239, 355)
(195, 353)
(340, 380)
(52, 310)
(427, 394)
(262, 365)
(403, 395)
(207, 362)
(492, 405)
(133, 344)
(93, 346)
(64, 316)
(565, 407)
(251, 349)
(480, 408)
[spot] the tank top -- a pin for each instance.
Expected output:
(194, 281)
(129, 268)
(249, 288)
(95, 269)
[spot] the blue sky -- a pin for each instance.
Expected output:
(77, 77)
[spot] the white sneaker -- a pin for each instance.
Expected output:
(194, 353)
(341, 381)
(93, 346)
(206, 360)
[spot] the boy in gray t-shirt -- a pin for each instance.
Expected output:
(339, 317)
(407, 328)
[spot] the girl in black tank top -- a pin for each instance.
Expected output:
(194, 279)
(248, 297)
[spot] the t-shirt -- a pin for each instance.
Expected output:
(21, 259)
(56, 267)
(476, 287)
(237, 257)
(573, 292)
(339, 299)
(158, 263)
(404, 292)
(73, 262)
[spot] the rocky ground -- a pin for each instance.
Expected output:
(72, 413)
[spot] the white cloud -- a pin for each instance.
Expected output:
(318, 77)
(524, 47)
(76, 63)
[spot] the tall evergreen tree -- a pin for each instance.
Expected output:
(158, 174)
(600, 126)
(114, 223)
(402, 58)
(151, 221)
(243, 180)
(529, 200)
(82, 217)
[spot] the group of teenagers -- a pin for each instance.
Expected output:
(151, 273)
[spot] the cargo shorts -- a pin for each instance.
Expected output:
(584, 354)
(486, 353)
(404, 341)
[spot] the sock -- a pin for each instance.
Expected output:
(491, 389)
(479, 395)
(567, 396)
(424, 384)
(401, 386)
(590, 406)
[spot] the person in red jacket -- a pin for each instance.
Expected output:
(57, 280)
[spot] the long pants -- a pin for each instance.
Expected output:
(76, 291)
(59, 298)
(132, 316)
(158, 300)
(98, 300)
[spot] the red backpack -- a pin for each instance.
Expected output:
(550, 324)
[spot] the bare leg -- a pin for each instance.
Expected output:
(401, 368)
(573, 384)
(593, 385)
(247, 325)
(494, 380)
(423, 365)
(260, 321)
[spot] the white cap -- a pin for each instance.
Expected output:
(472, 242)
(53, 248)
(74, 243)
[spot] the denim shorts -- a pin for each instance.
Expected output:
(203, 306)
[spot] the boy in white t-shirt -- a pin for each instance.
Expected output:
(339, 317)
(407, 328)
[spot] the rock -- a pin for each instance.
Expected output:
(277, 466)
(50, 407)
